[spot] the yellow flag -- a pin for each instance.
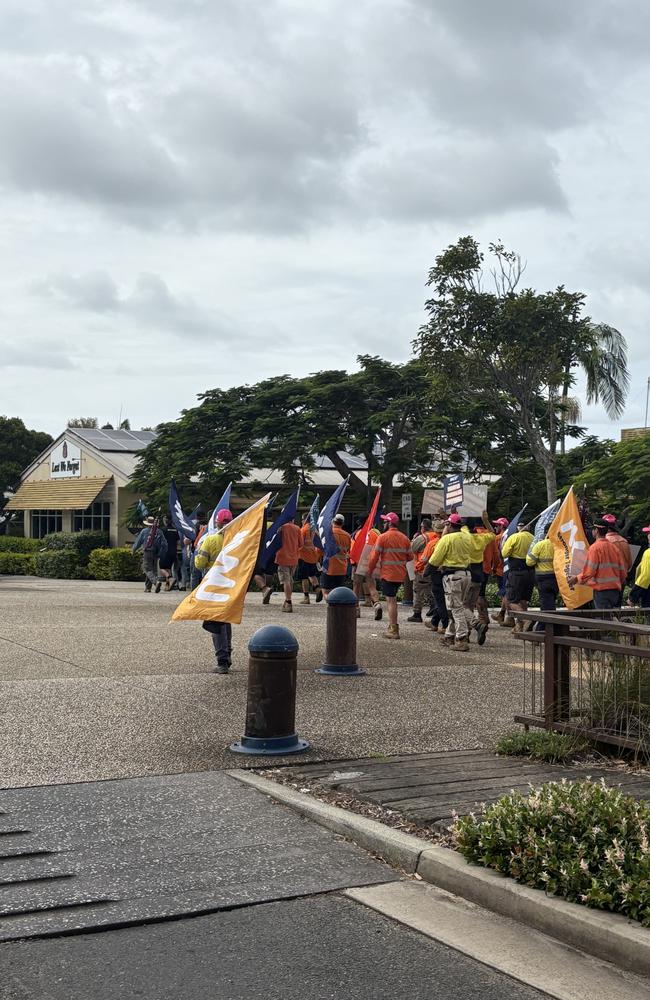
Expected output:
(220, 595)
(569, 550)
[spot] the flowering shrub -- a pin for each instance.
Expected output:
(578, 839)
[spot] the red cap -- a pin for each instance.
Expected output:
(223, 517)
(503, 522)
(392, 517)
(455, 519)
(609, 518)
(646, 530)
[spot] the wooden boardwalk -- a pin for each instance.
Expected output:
(427, 788)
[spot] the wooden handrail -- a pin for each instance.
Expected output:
(548, 617)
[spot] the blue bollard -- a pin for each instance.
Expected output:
(271, 700)
(341, 643)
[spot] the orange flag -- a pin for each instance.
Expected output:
(220, 595)
(569, 544)
(361, 546)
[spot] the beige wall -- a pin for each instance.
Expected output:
(125, 499)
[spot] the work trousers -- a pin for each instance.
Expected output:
(441, 616)
(221, 633)
(604, 599)
(150, 568)
(456, 587)
(548, 590)
(422, 593)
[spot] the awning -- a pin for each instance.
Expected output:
(57, 494)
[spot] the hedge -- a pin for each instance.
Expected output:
(59, 564)
(115, 564)
(81, 543)
(17, 563)
(10, 544)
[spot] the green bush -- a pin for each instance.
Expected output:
(60, 564)
(494, 601)
(540, 745)
(17, 563)
(115, 564)
(81, 543)
(580, 840)
(10, 544)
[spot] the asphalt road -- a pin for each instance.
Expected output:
(95, 682)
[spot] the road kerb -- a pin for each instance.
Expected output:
(607, 936)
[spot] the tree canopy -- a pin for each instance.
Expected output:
(619, 480)
(518, 349)
(18, 447)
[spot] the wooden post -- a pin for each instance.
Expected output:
(557, 675)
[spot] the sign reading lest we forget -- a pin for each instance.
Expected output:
(65, 461)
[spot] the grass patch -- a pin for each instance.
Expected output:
(541, 744)
(580, 840)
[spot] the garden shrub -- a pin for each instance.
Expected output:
(60, 564)
(10, 544)
(580, 840)
(115, 564)
(17, 563)
(81, 543)
(540, 745)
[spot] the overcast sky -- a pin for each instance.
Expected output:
(198, 193)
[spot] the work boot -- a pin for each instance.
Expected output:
(288, 607)
(508, 623)
(481, 632)
(392, 632)
(415, 617)
(498, 619)
(432, 628)
(266, 595)
(448, 640)
(305, 599)
(147, 588)
(222, 668)
(378, 611)
(442, 629)
(461, 645)
(367, 603)
(517, 628)
(158, 586)
(319, 595)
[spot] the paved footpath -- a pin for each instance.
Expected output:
(96, 683)
(196, 886)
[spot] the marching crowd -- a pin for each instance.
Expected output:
(450, 560)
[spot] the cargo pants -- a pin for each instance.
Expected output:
(456, 587)
(422, 593)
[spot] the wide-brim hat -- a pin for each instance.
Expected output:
(148, 522)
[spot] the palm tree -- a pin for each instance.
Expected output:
(603, 358)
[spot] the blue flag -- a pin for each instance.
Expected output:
(141, 511)
(509, 531)
(273, 537)
(326, 535)
(545, 519)
(224, 504)
(181, 521)
(314, 511)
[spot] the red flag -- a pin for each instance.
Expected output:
(361, 540)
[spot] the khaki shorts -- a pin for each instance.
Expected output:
(285, 574)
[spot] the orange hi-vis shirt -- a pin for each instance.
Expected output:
(308, 551)
(287, 555)
(606, 568)
(338, 564)
(491, 555)
(391, 553)
(423, 557)
(623, 544)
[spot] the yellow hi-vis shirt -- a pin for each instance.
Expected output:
(642, 578)
(478, 543)
(453, 549)
(208, 550)
(517, 545)
(541, 556)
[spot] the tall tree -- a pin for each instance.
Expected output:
(18, 448)
(90, 422)
(518, 348)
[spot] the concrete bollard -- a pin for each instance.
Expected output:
(271, 700)
(341, 644)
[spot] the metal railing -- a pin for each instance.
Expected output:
(588, 673)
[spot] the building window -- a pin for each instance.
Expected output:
(44, 522)
(97, 517)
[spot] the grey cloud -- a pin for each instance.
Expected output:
(151, 306)
(37, 355)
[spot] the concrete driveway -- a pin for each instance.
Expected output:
(96, 683)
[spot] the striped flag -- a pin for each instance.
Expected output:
(181, 521)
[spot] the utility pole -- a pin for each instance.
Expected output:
(647, 394)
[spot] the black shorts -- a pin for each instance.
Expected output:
(305, 571)
(389, 588)
(520, 585)
(328, 582)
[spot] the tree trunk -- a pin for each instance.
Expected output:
(386, 492)
(551, 482)
(357, 484)
(542, 455)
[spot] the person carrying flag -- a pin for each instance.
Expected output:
(205, 555)
(422, 593)
(363, 584)
(605, 570)
(452, 557)
(480, 539)
(154, 547)
(498, 569)
(541, 558)
(616, 538)
(336, 574)
(391, 552)
(309, 557)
